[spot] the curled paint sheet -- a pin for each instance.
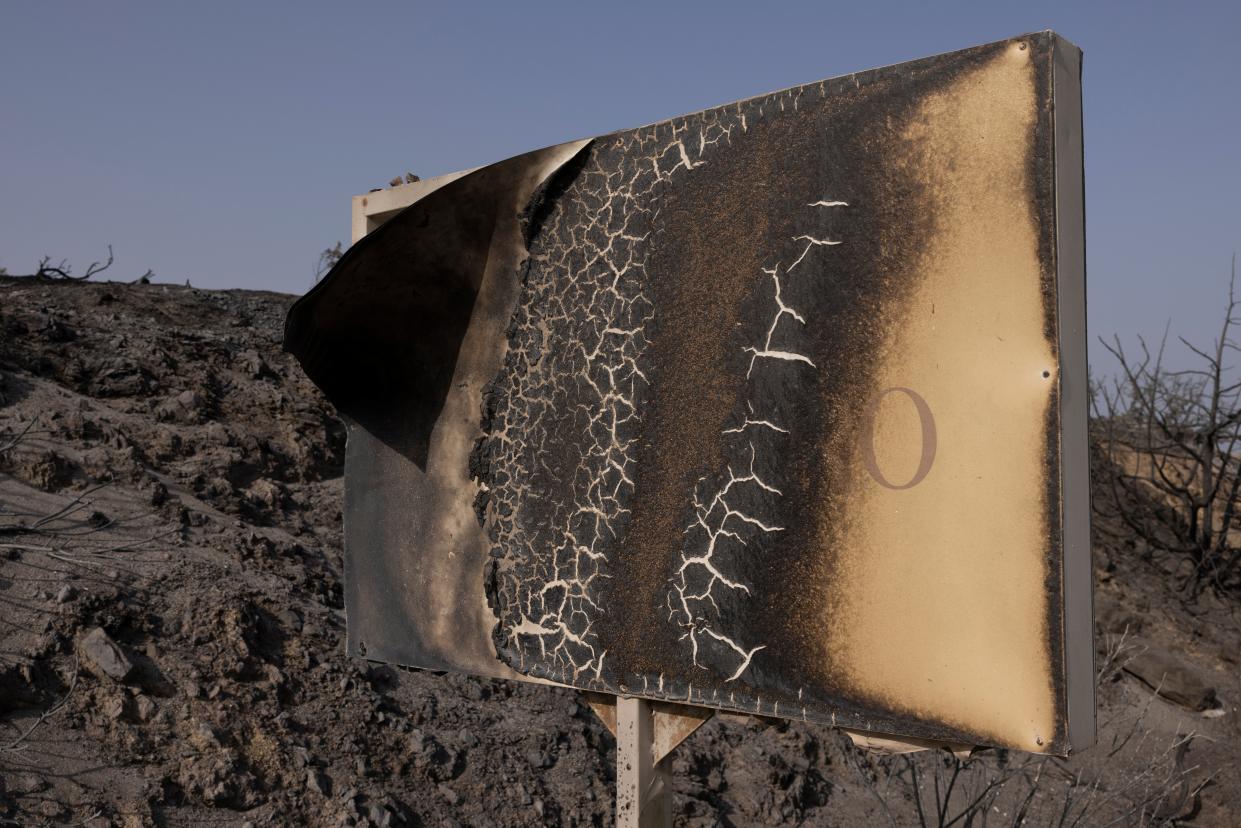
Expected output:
(403, 335)
(763, 408)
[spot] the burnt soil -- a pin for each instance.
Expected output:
(169, 475)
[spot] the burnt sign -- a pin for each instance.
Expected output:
(777, 407)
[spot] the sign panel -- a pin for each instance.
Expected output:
(778, 407)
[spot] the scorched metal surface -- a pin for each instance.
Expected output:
(777, 407)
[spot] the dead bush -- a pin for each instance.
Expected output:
(1166, 454)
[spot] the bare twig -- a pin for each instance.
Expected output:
(26, 547)
(21, 434)
(74, 505)
(1168, 444)
(16, 744)
(63, 271)
(1118, 652)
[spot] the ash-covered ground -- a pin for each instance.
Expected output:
(171, 631)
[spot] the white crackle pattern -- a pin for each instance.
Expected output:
(726, 519)
(563, 415)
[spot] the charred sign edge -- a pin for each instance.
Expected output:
(301, 339)
(510, 187)
(1070, 252)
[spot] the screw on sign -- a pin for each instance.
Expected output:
(634, 414)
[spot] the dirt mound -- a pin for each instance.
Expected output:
(171, 645)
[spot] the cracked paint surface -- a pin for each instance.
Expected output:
(669, 472)
(723, 528)
(574, 378)
(556, 466)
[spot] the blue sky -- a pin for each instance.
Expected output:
(220, 142)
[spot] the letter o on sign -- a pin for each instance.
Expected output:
(928, 439)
